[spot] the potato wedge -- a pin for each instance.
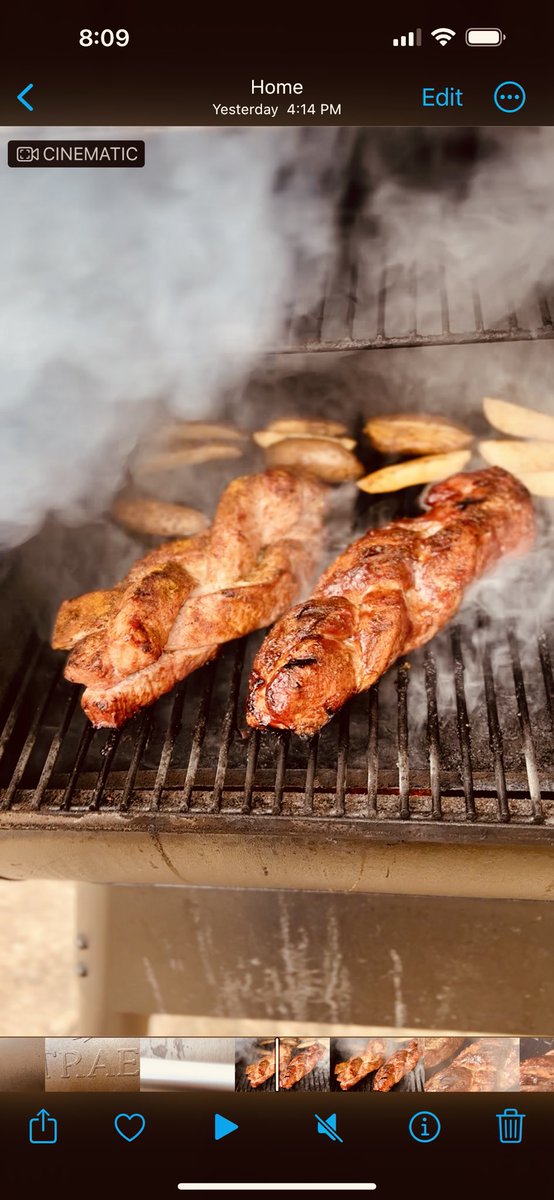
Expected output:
(187, 456)
(539, 483)
(415, 471)
(291, 426)
(416, 433)
(145, 514)
(268, 437)
(518, 457)
(200, 431)
(323, 457)
(519, 421)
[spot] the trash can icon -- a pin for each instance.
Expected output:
(510, 1126)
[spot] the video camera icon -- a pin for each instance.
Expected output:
(25, 154)
(43, 1129)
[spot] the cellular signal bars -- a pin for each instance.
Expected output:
(408, 39)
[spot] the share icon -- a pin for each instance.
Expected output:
(328, 1127)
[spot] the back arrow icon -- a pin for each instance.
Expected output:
(21, 97)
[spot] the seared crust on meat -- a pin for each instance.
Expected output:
(438, 1050)
(182, 600)
(355, 1069)
(486, 1065)
(386, 594)
(139, 630)
(83, 615)
(260, 1071)
(537, 1074)
(300, 1066)
(397, 1066)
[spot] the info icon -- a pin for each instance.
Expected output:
(424, 1127)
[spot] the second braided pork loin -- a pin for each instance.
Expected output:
(389, 592)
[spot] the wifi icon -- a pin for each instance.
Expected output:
(443, 36)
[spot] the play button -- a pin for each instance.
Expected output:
(223, 1126)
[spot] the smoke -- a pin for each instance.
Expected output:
(252, 1049)
(476, 204)
(126, 294)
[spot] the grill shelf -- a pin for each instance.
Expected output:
(419, 757)
(412, 306)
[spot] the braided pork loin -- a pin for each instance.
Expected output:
(386, 594)
(134, 642)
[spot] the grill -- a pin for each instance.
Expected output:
(394, 765)
(450, 751)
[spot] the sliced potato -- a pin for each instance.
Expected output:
(187, 456)
(416, 433)
(317, 428)
(268, 437)
(415, 471)
(518, 457)
(323, 457)
(539, 483)
(200, 431)
(519, 421)
(145, 514)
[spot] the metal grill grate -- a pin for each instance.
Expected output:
(316, 1081)
(242, 1083)
(362, 308)
(434, 752)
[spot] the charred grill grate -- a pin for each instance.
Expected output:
(417, 305)
(434, 752)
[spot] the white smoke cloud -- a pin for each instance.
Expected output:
(121, 290)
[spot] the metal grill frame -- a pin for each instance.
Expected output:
(297, 339)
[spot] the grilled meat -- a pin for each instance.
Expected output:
(145, 614)
(180, 602)
(78, 618)
(355, 1069)
(301, 1065)
(397, 1066)
(537, 1074)
(386, 594)
(258, 1072)
(484, 1066)
(439, 1050)
(286, 1047)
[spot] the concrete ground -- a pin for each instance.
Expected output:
(38, 987)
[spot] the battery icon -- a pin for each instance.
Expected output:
(485, 37)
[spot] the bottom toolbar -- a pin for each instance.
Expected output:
(162, 1143)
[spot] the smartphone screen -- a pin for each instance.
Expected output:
(276, 635)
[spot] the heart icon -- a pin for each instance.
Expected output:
(129, 1125)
